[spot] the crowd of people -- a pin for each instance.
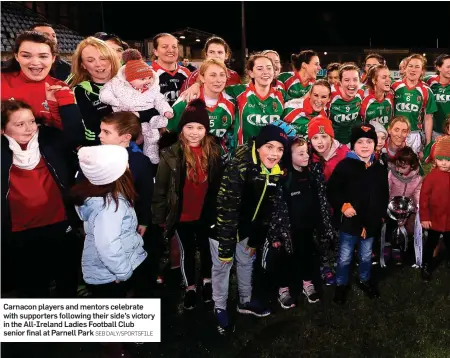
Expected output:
(126, 169)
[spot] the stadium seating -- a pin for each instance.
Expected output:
(15, 18)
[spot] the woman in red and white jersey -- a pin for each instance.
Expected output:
(27, 79)
(215, 47)
(171, 75)
(378, 102)
(306, 66)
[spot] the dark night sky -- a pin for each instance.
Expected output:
(289, 26)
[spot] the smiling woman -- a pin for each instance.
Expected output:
(346, 98)
(28, 79)
(415, 101)
(306, 65)
(378, 102)
(300, 111)
(93, 64)
(258, 102)
(219, 105)
(171, 75)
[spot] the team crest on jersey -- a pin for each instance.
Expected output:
(274, 106)
(388, 108)
(45, 105)
(224, 119)
(358, 104)
(419, 98)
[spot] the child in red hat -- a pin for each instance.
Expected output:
(435, 204)
(329, 152)
(326, 149)
(135, 88)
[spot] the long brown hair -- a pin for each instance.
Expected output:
(122, 186)
(209, 151)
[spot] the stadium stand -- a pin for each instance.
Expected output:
(16, 18)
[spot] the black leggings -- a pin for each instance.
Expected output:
(44, 254)
(139, 281)
(274, 268)
(190, 235)
(430, 245)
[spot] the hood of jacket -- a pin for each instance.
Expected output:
(276, 170)
(336, 147)
(90, 205)
(405, 178)
(352, 155)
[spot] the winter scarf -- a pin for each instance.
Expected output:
(26, 159)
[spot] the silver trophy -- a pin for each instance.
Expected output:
(399, 209)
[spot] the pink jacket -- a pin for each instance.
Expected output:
(408, 186)
(337, 153)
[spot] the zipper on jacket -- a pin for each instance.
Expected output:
(54, 171)
(262, 197)
(9, 182)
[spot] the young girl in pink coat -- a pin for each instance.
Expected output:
(404, 180)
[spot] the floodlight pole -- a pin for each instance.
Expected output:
(103, 16)
(243, 37)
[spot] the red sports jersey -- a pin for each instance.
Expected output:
(298, 113)
(233, 79)
(279, 85)
(380, 111)
(16, 85)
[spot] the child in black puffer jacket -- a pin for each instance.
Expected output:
(358, 191)
(305, 193)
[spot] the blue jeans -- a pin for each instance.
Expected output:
(347, 244)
